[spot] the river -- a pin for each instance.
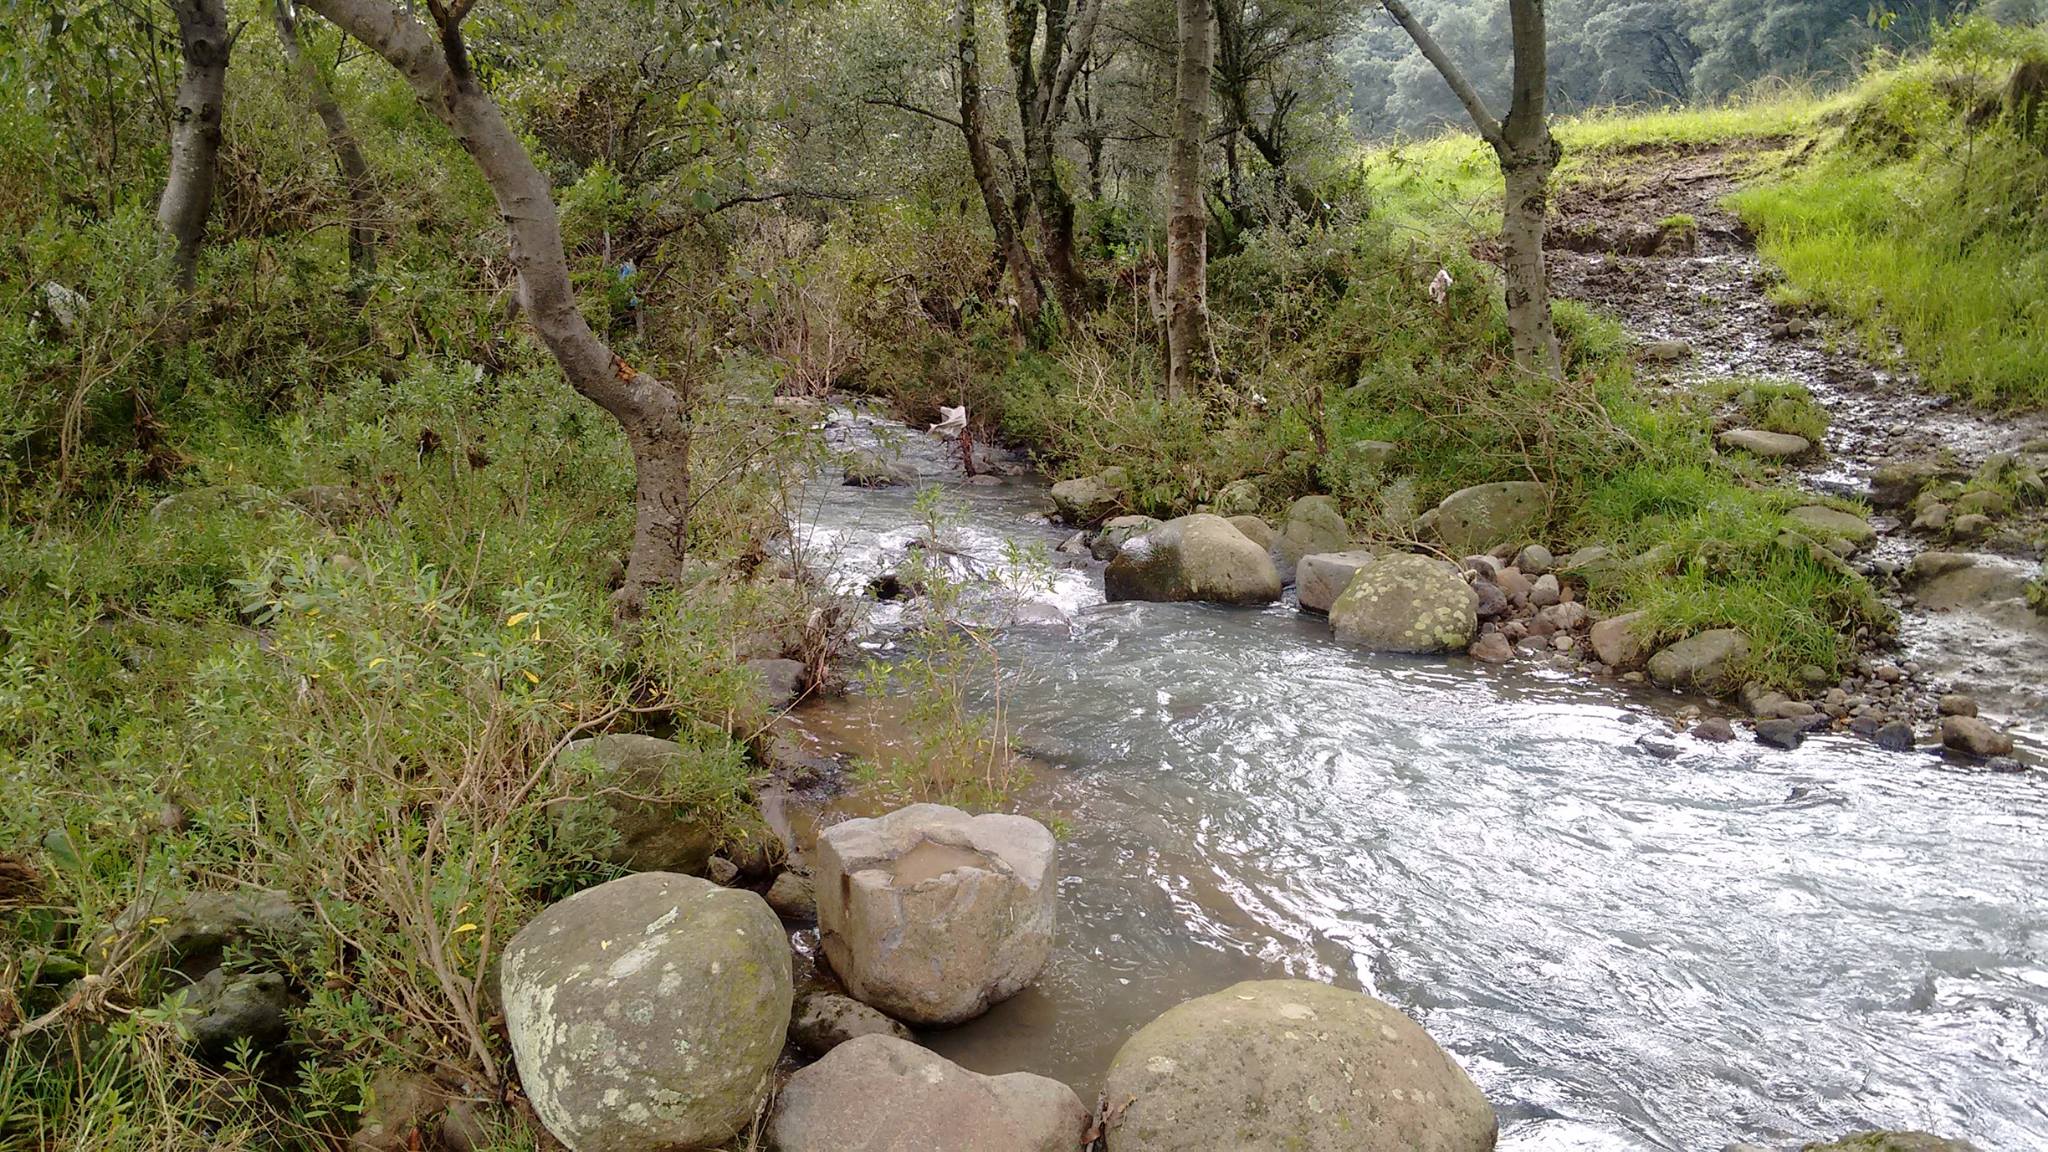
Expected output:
(1625, 951)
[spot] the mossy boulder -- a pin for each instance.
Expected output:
(1314, 524)
(1237, 498)
(1712, 662)
(1766, 445)
(613, 819)
(647, 1014)
(1198, 557)
(1488, 515)
(1407, 604)
(1824, 524)
(1891, 1142)
(1119, 531)
(1295, 1065)
(1085, 501)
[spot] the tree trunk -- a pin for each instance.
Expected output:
(1187, 293)
(651, 411)
(205, 42)
(981, 159)
(1042, 88)
(348, 155)
(1528, 154)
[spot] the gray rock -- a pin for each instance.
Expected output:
(1086, 501)
(1313, 525)
(1780, 733)
(781, 682)
(792, 898)
(1321, 577)
(1255, 530)
(1478, 518)
(1491, 648)
(1295, 1065)
(1515, 585)
(1898, 483)
(1619, 642)
(823, 1021)
(1974, 526)
(223, 1010)
(1715, 730)
(1974, 737)
(648, 1013)
(1407, 603)
(883, 1094)
(1117, 532)
(1894, 736)
(865, 469)
(328, 501)
(1374, 455)
(1237, 498)
(1492, 601)
(1534, 559)
(67, 308)
(609, 819)
(1198, 557)
(1891, 1142)
(1569, 616)
(1545, 591)
(1768, 445)
(1711, 662)
(932, 915)
(1665, 351)
(1956, 704)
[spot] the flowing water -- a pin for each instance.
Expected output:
(1625, 951)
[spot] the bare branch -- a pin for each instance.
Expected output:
(1489, 128)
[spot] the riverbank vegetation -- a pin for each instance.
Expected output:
(312, 567)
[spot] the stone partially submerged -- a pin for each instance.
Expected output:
(932, 915)
(1295, 1065)
(647, 1014)
(1711, 662)
(1407, 604)
(1198, 557)
(883, 1094)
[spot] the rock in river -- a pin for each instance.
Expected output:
(1295, 1065)
(1198, 557)
(1710, 662)
(647, 1013)
(1119, 531)
(825, 1020)
(1086, 501)
(1974, 737)
(1321, 577)
(1478, 518)
(932, 915)
(1407, 604)
(884, 1094)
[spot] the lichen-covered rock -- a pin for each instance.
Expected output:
(1487, 515)
(1407, 604)
(647, 1014)
(1768, 445)
(825, 1020)
(610, 816)
(1313, 525)
(1711, 662)
(1321, 577)
(1199, 557)
(883, 1094)
(1824, 524)
(1086, 501)
(1237, 498)
(1117, 532)
(1291, 1064)
(1891, 1142)
(1619, 642)
(932, 915)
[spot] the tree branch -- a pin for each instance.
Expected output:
(1489, 128)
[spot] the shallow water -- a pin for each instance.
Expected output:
(1624, 951)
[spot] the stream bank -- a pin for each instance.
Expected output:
(1625, 950)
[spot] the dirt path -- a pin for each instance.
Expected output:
(1617, 246)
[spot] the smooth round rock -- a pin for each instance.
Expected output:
(647, 1014)
(1291, 1066)
(882, 1094)
(1198, 557)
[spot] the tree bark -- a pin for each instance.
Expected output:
(348, 154)
(1528, 154)
(205, 43)
(1042, 88)
(1188, 355)
(1016, 254)
(651, 411)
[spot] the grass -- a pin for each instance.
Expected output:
(1774, 406)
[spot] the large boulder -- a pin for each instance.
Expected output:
(1268, 1065)
(1086, 501)
(1198, 557)
(1321, 577)
(1619, 641)
(647, 1014)
(613, 817)
(1487, 515)
(1313, 524)
(883, 1094)
(932, 915)
(1824, 524)
(1711, 662)
(1407, 604)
